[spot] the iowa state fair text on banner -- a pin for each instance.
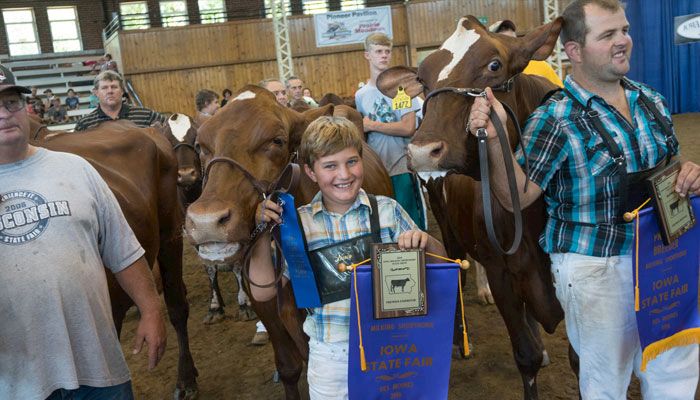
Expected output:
(668, 287)
(408, 358)
(347, 27)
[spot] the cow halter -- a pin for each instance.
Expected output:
(289, 174)
(506, 87)
(481, 137)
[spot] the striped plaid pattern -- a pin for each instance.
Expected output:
(331, 323)
(571, 162)
(142, 117)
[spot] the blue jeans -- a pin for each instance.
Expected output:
(117, 392)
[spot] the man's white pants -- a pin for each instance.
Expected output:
(597, 295)
(327, 371)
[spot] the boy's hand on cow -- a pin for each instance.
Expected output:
(688, 181)
(479, 115)
(413, 239)
(268, 211)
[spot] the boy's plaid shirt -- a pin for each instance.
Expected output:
(331, 322)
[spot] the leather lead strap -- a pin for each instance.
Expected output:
(512, 184)
(374, 219)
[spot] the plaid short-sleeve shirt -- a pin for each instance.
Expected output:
(569, 160)
(331, 323)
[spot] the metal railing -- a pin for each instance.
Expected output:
(135, 99)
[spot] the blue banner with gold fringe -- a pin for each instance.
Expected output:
(407, 357)
(667, 285)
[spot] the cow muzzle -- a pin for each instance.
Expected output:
(427, 156)
(187, 176)
(216, 230)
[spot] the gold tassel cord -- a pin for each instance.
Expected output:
(363, 361)
(464, 264)
(629, 216)
(464, 323)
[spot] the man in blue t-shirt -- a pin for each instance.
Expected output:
(389, 131)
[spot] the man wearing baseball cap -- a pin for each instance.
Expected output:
(540, 68)
(60, 226)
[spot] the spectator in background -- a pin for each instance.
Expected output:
(109, 88)
(56, 114)
(94, 101)
(207, 103)
(105, 64)
(277, 88)
(295, 90)
(539, 68)
(389, 131)
(226, 95)
(306, 92)
(36, 104)
(72, 101)
(48, 93)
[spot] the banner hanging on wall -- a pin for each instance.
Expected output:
(347, 27)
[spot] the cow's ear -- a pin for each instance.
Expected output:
(540, 42)
(301, 120)
(389, 81)
(313, 113)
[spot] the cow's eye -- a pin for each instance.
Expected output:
(278, 141)
(494, 65)
(197, 148)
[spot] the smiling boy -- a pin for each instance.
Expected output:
(331, 149)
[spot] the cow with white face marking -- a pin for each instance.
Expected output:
(475, 58)
(181, 132)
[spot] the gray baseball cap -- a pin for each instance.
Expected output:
(7, 81)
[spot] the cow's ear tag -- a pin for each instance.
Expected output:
(401, 101)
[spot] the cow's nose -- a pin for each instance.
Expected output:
(426, 156)
(435, 150)
(207, 223)
(186, 176)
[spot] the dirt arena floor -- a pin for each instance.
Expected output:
(231, 369)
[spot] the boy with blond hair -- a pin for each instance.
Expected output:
(389, 131)
(331, 149)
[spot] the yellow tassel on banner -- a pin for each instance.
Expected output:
(464, 323)
(682, 338)
(629, 216)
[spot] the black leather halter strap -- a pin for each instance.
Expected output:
(287, 181)
(187, 145)
(484, 162)
(258, 185)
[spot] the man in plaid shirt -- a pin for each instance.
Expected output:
(571, 164)
(331, 149)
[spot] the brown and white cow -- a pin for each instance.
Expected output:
(140, 169)
(472, 57)
(181, 131)
(261, 136)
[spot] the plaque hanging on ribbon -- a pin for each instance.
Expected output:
(674, 213)
(398, 280)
